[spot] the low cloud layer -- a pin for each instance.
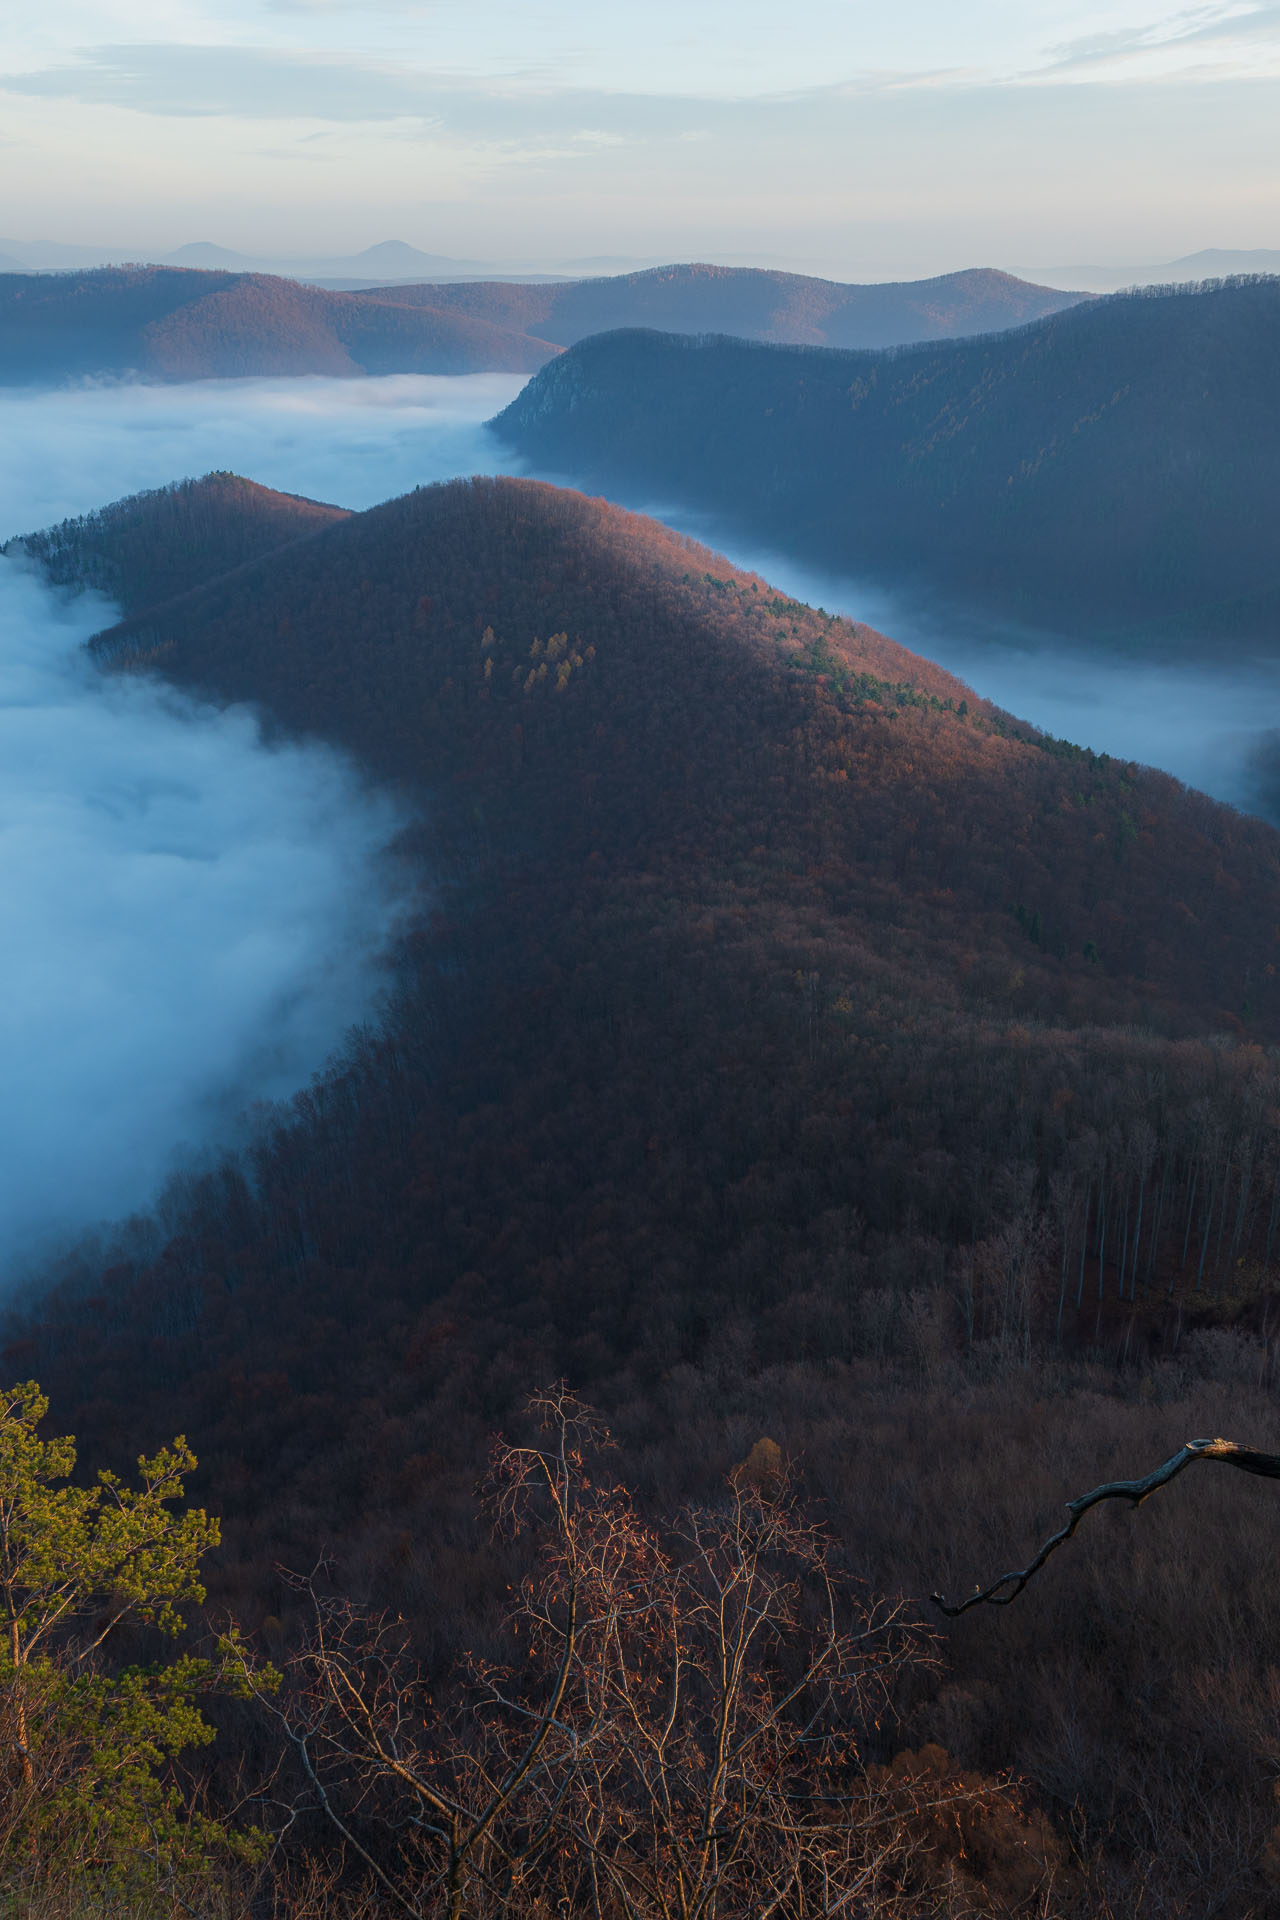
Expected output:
(191, 921)
(351, 442)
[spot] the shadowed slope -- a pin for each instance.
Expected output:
(797, 1046)
(757, 942)
(1115, 463)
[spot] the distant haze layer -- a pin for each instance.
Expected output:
(352, 442)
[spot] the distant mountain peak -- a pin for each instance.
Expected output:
(204, 253)
(396, 254)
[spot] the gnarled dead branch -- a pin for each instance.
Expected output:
(1248, 1459)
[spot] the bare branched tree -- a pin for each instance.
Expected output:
(675, 1735)
(722, 1669)
(446, 1808)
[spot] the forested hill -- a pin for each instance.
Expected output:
(1117, 463)
(169, 323)
(156, 545)
(754, 303)
(789, 1032)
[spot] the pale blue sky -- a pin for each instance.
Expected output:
(834, 135)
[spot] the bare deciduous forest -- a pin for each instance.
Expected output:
(867, 1104)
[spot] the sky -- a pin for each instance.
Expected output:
(839, 136)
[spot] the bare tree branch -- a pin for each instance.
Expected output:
(1248, 1459)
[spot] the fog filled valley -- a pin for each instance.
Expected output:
(468, 934)
(358, 442)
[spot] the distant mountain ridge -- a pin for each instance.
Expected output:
(387, 259)
(1116, 463)
(1210, 263)
(176, 323)
(754, 303)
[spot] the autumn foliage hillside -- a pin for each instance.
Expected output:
(601, 686)
(793, 1044)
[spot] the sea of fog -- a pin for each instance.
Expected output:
(355, 442)
(350, 442)
(192, 918)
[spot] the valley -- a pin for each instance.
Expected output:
(640, 961)
(787, 1046)
(795, 1043)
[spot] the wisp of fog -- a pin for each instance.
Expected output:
(191, 919)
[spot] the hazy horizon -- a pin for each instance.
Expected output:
(387, 260)
(838, 138)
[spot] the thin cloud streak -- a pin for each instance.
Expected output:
(181, 78)
(1198, 27)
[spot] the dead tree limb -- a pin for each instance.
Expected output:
(1248, 1459)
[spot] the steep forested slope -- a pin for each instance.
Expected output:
(735, 899)
(1118, 463)
(182, 324)
(754, 303)
(412, 699)
(795, 1044)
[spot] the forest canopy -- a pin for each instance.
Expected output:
(791, 1045)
